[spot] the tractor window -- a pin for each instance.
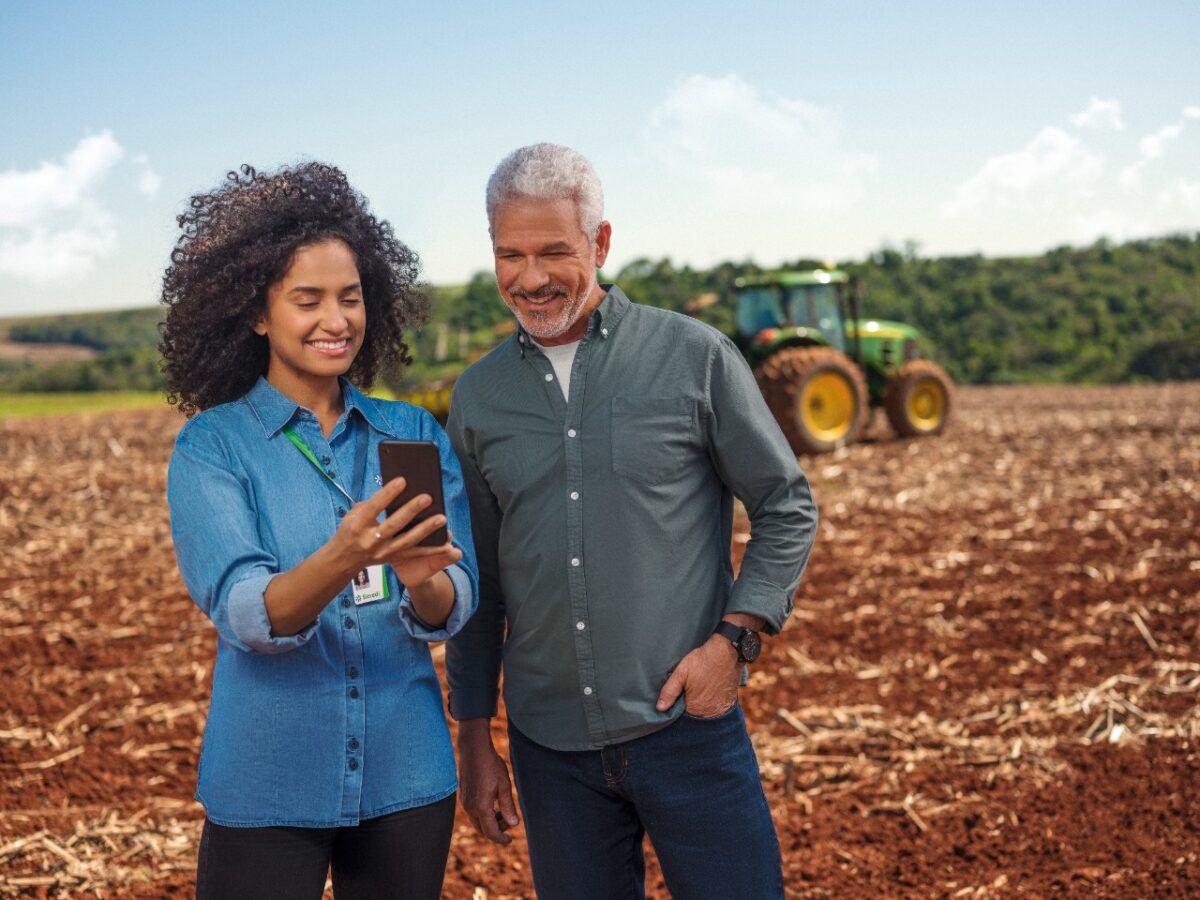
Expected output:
(827, 315)
(759, 308)
(816, 306)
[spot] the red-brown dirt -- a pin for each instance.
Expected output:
(989, 686)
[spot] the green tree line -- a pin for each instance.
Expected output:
(126, 329)
(1103, 313)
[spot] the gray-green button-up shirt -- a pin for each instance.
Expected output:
(603, 525)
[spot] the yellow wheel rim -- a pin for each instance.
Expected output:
(926, 405)
(827, 406)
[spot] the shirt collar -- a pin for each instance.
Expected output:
(604, 318)
(274, 410)
(368, 408)
(611, 310)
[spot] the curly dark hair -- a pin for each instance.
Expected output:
(240, 239)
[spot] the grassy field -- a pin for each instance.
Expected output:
(53, 404)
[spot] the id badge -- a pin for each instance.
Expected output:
(370, 584)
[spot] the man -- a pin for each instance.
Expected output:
(602, 445)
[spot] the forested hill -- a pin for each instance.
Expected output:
(1104, 313)
(125, 329)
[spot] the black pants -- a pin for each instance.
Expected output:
(400, 855)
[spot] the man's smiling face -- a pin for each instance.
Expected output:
(546, 267)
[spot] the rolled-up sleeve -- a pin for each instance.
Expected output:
(460, 612)
(753, 458)
(224, 566)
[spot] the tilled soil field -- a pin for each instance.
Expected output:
(989, 687)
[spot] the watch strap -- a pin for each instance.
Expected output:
(729, 631)
(747, 651)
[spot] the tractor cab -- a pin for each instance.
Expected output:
(792, 308)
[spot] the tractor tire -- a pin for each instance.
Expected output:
(817, 395)
(918, 399)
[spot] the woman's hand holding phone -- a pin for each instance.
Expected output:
(365, 541)
(415, 564)
(294, 598)
(397, 542)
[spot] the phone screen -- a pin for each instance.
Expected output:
(419, 464)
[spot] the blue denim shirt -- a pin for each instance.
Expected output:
(343, 721)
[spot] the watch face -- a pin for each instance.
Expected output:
(749, 646)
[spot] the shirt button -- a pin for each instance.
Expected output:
(587, 692)
(353, 743)
(353, 764)
(353, 673)
(353, 693)
(571, 432)
(549, 377)
(575, 562)
(574, 495)
(326, 460)
(604, 332)
(346, 602)
(341, 512)
(331, 474)
(348, 622)
(580, 626)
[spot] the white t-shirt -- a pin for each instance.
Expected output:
(561, 357)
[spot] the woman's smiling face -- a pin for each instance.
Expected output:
(315, 319)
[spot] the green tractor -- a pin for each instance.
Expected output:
(822, 368)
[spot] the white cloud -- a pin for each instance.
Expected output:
(1185, 194)
(1101, 115)
(748, 148)
(51, 225)
(1060, 187)
(27, 197)
(149, 182)
(1052, 168)
(1086, 228)
(46, 255)
(1153, 146)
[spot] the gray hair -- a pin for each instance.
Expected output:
(547, 172)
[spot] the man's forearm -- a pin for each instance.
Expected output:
(472, 731)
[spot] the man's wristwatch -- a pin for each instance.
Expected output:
(745, 640)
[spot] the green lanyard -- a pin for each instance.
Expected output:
(360, 459)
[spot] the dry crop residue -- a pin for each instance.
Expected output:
(989, 686)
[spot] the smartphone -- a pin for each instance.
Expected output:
(419, 463)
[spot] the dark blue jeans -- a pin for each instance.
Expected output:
(693, 787)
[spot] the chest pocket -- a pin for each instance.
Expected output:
(652, 438)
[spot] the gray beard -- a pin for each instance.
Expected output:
(547, 326)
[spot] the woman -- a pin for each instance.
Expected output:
(326, 745)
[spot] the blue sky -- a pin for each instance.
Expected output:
(721, 130)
